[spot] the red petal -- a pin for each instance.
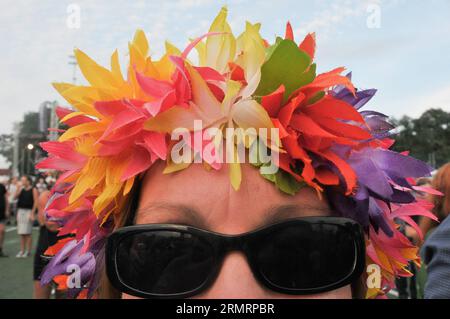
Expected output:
(326, 177)
(281, 130)
(343, 129)
(272, 102)
(306, 125)
(289, 35)
(285, 113)
(217, 91)
(331, 107)
(296, 152)
(237, 73)
(309, 45)
(332, 78)
(346, 171)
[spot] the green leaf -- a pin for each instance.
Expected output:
(272, 48)
(285, 65)
(284, 182)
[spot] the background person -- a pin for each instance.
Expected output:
(41, 185)
(47, 238)
(12, 187)
(4, 215)
(27, 198)
(436, 249)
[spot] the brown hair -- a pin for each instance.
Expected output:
(105, 289)
(441, 182)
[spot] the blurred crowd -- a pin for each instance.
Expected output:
(22, 203)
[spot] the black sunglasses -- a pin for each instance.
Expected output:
(298, 257)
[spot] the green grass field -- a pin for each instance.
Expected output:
(16, 274)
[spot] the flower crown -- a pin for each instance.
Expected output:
(120, 127)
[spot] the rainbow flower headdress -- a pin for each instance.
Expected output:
(120, 126)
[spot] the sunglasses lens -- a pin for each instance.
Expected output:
(164, 262)
(306, 256)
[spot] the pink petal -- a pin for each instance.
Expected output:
(162, 104)
(196, 41)
(153, 87)
(63, 150)
(139, 162)
(110, 108)
(157, 143)
(58, 164)
(428, 190)
(122, 119)
(181, 79)
(62, 112)
(209, 74)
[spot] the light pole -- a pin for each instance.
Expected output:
(30, 148)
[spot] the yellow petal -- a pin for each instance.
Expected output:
(172, 167)
(251, 47)
(115, 67)
(235, 170)
(220, 49)
(95, 74)
(232, 90)
(128, 185)
(171, 49)
(165, 68)
(80, 97)
(140, 43)
(250, 114)
(201, 50)
(106, 197)
(86, 145)
(93, 173)
(71, 115)
(384, 260)
(82, 129)
(202, 96)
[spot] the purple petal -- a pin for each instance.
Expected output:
(371, 176)
(399, 165)
(378, 219)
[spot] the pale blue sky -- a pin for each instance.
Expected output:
(407, 58)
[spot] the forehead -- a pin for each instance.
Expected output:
(199, 196)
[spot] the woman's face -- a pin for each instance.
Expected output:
(205, 199)
(24, 181)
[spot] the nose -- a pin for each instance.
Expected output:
(235, 280)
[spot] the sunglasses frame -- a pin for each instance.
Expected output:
(222, 244)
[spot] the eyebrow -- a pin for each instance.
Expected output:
(180, 213)
(189, 215)
(278, 213)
